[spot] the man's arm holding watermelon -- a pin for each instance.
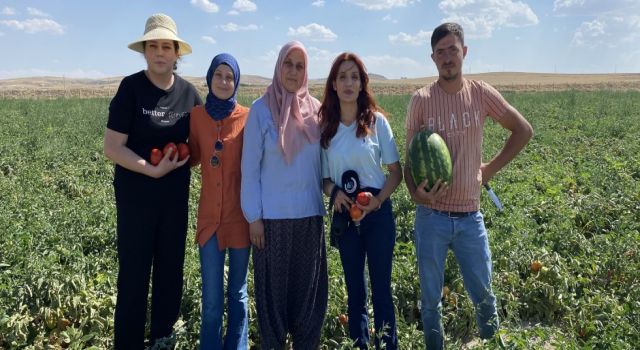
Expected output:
(418, 192)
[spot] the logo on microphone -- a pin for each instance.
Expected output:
(350, 182)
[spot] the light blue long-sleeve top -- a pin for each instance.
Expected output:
(271, 188)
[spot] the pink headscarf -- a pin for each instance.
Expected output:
(294, 114)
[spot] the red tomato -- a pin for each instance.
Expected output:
(363, 198)
(344, 319)
(156, 156)
(183, 151)
(170, 146)
(355, 212)
(535, 266)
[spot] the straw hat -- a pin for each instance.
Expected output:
(160, 27)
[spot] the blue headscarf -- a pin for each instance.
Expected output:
(217, 108)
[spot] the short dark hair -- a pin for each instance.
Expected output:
(445, 29)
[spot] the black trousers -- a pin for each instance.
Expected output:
(151, 241)
(291, 283)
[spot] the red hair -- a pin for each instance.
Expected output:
(329, 112)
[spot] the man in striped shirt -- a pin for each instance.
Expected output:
(448, 215)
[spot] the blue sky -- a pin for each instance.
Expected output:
(83, 38)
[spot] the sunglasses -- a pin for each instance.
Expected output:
(218, 146)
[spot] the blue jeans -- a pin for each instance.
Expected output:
(435, 234)
(374, 243)
(212, 269)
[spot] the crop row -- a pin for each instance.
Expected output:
(572, 203)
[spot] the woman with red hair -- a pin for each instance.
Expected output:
(356, 137)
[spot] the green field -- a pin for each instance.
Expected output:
(572, 202)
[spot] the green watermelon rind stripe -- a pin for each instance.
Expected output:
(429, 158)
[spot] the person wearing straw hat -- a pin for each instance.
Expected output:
(150, 110)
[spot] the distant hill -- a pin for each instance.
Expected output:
(52, 87)
(245, 79)
(248, 79)
(374, 76)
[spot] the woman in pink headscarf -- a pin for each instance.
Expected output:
(281, 197)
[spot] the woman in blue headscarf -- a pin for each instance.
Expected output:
(215, 140)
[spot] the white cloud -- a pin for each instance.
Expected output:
(388, 60)
(318, 3)
(1, 33)
(611, 23)
(387, 65)
(595, 7)
(377, 5)
(8, 11)
(422, 38)
(558, 4)
(634, 21)
(205, 5)
(320, 61)
(608, 32)
(320, 54)
(208, 39)
(233, 13)
(313, 32)
(244, 6)
(271, 55)
(35, 12)
(388, 18)
(232, 27)
(396, 66)
(35, 25)
(480, 17)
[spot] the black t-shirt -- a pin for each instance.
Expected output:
(151, 117)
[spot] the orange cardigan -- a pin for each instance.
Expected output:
(219, 210)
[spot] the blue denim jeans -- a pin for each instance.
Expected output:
(435, 234)
(373, 244)
(212, 269)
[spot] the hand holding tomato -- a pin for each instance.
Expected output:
(167, 160)
(170, 147)
(183, 151)
(356, 213)
(363, 198)
(367, 202)
(156, 156)
(342, 202)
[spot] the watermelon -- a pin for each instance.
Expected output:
(429, 159)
